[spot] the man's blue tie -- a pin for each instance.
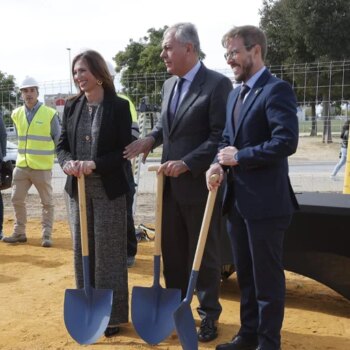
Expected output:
(175, 100)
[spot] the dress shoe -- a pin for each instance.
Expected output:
(207, 330)
(1, 235)
(238, 343)
(130, 261)
(15, 238)
(111, 331)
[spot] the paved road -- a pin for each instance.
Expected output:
(312, 167)
(305, 176)
(314, 176)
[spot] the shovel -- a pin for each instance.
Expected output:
(86, 311)
(184, 321)
(152, 308)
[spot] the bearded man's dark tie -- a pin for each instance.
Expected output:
(238, 106)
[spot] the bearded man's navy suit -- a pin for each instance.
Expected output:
(260, 201)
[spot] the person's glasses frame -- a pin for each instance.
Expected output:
(233, 54)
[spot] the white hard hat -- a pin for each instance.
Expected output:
(28, 82)
(111, 69)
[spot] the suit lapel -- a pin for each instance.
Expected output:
(76, 116)
(194, 91)
(229, 112)
(253, 94)
(105, 118)
(255, 91)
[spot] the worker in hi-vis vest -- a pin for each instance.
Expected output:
(131, 239)
(38, 130)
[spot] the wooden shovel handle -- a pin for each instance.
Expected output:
(153, 167)
(159, 210)
(205, 226)
(82, 216)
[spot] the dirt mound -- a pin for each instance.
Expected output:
(33, 280)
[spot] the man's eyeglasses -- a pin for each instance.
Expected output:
(233, 54)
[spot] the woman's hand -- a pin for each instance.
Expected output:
(79, 167)
(86, 167)
(70, 167)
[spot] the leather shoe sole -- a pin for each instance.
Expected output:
(238, 343)
(207, 337)
(111, 331)
(130, 261)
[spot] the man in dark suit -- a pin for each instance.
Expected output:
(190, 128)
(261, 132)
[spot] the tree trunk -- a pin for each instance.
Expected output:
(313, 120)
(327, 126)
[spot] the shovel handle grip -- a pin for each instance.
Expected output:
(153, 167)
(205, 226)
(159, 210)
(82, 216)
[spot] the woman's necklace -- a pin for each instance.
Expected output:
(92, 108)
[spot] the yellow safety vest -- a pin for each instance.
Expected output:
(135, 125)
(132, 108)
(36, 148)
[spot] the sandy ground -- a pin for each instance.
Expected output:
(33, 280)
(312, 148)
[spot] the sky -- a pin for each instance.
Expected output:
(35, 34)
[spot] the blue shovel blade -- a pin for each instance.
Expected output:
(87, 313)
(186, 327)
(152, 312)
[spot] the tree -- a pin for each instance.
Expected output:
(315, 32)
(8, 96)
(138, 62)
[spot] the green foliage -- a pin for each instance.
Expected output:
(306, 30)
(8, 96)
(315, 32)
(326, 28)
(141, 58)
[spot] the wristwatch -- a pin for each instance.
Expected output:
(235, 158)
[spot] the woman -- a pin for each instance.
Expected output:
(96, 127)
(343, 149)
